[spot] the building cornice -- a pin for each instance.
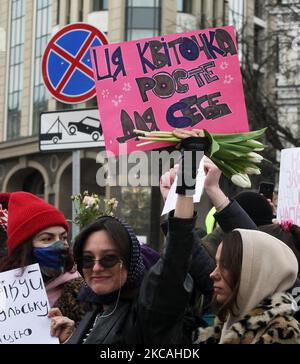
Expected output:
(19, 147)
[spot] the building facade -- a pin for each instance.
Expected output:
(285, 23)
(26, 26)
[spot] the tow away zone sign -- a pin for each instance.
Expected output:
(66, 130)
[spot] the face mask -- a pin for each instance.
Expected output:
(51, 259)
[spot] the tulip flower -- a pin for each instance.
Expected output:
(255, 157)
(251, 170)
(241, 180)
(234, 154)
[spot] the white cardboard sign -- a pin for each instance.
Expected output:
(24, 307)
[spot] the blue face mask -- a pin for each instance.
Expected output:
(51, 259)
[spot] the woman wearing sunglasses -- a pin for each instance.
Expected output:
(134, 307)
(108, 256)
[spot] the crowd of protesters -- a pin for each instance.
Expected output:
(110, 289)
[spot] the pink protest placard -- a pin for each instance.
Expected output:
(188, 80)
(289, 186)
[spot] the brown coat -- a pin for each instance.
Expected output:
(68, 303)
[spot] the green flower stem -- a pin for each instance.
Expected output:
(245, 163)
(154, 133)
(156, 139)
(253, 144)
(238, 147)
(221, 166)
(229, 154)
(228, 167)
(236, 138)
(145, 143)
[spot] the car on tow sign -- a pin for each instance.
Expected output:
(88, 125)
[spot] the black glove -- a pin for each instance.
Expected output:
(192, 150)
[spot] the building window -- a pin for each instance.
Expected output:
(236, 14)
(277, 57)
(259, 8)
(58, 12)
(143, 18)
(99, 5)
(16, 60)
(185, 6)
(68, 11)
(80, 10)
(258, 44)
(42, 37)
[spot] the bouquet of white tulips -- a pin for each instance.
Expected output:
(235, 154)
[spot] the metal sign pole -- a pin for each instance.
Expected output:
(75, 187)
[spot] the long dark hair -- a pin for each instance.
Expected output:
(22, 256)
(231, 260)
(116, 232)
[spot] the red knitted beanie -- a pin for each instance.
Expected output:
(27, 215)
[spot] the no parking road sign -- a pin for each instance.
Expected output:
(66, 65)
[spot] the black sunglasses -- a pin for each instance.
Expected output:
(108, 261)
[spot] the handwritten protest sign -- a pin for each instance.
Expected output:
(289, 185)
(24, 307)
(187, 80)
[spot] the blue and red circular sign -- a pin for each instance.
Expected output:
(66, 65)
